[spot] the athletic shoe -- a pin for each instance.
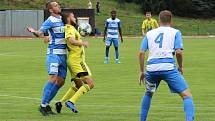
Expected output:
(117, 61)
(58, 107)
(43, 111)
(49, 110)
(70, 105)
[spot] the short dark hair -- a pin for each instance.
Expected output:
(113, 12)
(165, 16)
(48, 4)
(148, 12)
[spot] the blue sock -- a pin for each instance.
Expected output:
(189, 108)
(117, 52)
(146, 101)
(54, 91)
(47, 92)
(107, 51)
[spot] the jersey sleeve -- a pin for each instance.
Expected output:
(45, 26)
(119, 24)
(178, 41)
(106, 23)
(143, 25)
(144, 44)
(69, 32)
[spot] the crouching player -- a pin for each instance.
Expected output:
(79, 70)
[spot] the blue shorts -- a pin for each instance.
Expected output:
(109, 42)
(173, 78)
(57, 65)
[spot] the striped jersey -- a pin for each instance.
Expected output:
(55, 27)
(161, 43)
(113, 27)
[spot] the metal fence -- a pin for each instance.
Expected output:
(14, 22)
(198, 27)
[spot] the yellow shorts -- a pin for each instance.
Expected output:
(78, 69)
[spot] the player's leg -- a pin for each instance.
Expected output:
(177, 84)
(87, 86)
(52, 64)
(107, 47)
(116, 46)
(83, 74)
(152, 83)
(70, 92)
(57, 73)
(61, 75)
(189, 107)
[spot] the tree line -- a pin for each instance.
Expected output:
(184, 8)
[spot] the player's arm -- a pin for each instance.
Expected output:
(73, 41)
(143, 28)
(179, 56)
(141, 62)
(35, 32)
(105, 31)
(178, 45)
(120, 31)
(44, 28)
(144, 47)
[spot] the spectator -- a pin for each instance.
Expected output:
(97, 7)
(90, 6)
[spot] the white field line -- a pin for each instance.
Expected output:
(109, 106)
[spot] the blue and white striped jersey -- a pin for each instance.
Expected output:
(161, 43)
(55, 26)
(113, 28)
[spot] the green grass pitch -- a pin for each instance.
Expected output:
(116, 96)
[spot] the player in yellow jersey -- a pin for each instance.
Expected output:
(149, 23)
(79, 70)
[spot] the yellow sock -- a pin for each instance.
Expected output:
(72, 90)
(81, 91)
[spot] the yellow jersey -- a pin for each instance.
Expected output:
(149, 25)
(75, 51)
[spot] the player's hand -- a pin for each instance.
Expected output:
(30, 29)
(181, 70)
(121, 40)
(141, 78)
(46, 39)
(86, 44)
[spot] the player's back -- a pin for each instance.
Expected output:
(161, 46)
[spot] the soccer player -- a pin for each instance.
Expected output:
(112, 30)
(149, 23)
(80, 73)
(56, 55)
(162, 43)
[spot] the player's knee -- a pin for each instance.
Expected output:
(107, 47)
(89, 82)
(60, 83)
(186, 94)
(149, 93)
(78, 83)
(53, 78)
(116, 48)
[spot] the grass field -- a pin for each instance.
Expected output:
(116, 96)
